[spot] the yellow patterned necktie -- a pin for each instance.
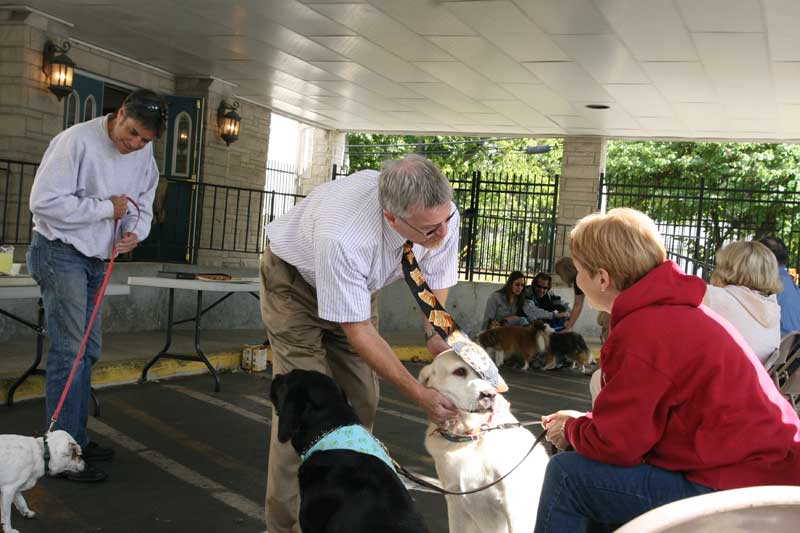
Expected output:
(444, 324)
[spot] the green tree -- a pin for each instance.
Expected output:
(735, 191)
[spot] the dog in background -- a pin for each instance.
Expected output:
(526, 342)
(342, 490)
(570, 347)
(22, 463)
(537, 344)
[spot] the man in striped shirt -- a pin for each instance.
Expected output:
(327, 259)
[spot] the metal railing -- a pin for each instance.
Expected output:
(697, 218)
(508, 222)
(16, 180)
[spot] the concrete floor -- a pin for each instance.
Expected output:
(192, 460)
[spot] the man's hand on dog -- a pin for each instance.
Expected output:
(554, 425)
(437, 406)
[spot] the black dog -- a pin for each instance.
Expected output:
(341, 490)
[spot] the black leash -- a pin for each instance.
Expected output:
(405, 473)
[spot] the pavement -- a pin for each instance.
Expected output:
(190, 459)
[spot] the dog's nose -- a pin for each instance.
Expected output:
(486, 399)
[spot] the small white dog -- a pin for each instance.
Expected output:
(23, 464)
(469, 454)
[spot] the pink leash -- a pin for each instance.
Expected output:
(98, 298)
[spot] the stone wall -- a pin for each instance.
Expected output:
(584, 159)
(319, 150)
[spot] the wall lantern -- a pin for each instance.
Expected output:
(57, 66)
(229, 122)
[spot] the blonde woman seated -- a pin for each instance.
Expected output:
(505, 304)
(743, 288)
(686, 408)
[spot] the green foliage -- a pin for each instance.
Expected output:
(455, 160)
(736, 191)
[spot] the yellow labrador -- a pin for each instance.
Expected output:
(469, 454)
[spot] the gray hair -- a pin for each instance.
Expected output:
(411, 183)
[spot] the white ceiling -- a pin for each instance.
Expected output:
(719, 69)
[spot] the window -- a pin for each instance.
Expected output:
(182, 138)
(89, 108)
(71, 109)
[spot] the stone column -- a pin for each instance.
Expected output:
(319, 150)
(584, 159)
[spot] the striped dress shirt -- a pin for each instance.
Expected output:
(339, 241)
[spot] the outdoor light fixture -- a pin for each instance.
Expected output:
(57, 66)
(229, 122)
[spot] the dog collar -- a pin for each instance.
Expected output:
(46, 454)
(356, 438)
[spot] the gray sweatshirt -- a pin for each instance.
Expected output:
(79, 172)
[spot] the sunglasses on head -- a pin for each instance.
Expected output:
(154, 106)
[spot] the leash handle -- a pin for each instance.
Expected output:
(408, 475)
(98, 298)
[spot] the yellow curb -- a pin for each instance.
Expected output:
(122, 372)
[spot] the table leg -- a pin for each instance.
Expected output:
(34, 368)
(200, 354)
(164, 350)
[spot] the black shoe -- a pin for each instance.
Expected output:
(90, 474)
(94, 452)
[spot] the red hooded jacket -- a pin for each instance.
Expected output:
(683, 391)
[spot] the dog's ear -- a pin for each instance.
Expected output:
(74, 451)
(291, 406)
(425, 375)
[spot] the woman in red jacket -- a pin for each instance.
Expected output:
(685, 408)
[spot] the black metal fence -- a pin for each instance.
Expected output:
(16, 180)
(697, 218)
(233, 218)
(282, 180)
(508, 222)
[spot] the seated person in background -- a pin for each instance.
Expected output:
(742, 291)
(789, 297)
(541, 304)
(685, 408)
(565, 269)
(505, 304)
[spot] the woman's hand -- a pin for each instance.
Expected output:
(554, 425)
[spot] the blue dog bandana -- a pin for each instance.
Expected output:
(355, 438)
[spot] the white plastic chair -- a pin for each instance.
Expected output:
(753, 509)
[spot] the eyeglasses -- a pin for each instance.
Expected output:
(543, 287)
(429, 232)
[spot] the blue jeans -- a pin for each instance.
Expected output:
(579, 494)
(68, 281)
(517, 321)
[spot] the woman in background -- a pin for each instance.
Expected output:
(742, 290)
(505, 304)
(565, 268)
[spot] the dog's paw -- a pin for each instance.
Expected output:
(11, 530)
(29, 514)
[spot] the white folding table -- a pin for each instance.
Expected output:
(248, 285)
(23, 288)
